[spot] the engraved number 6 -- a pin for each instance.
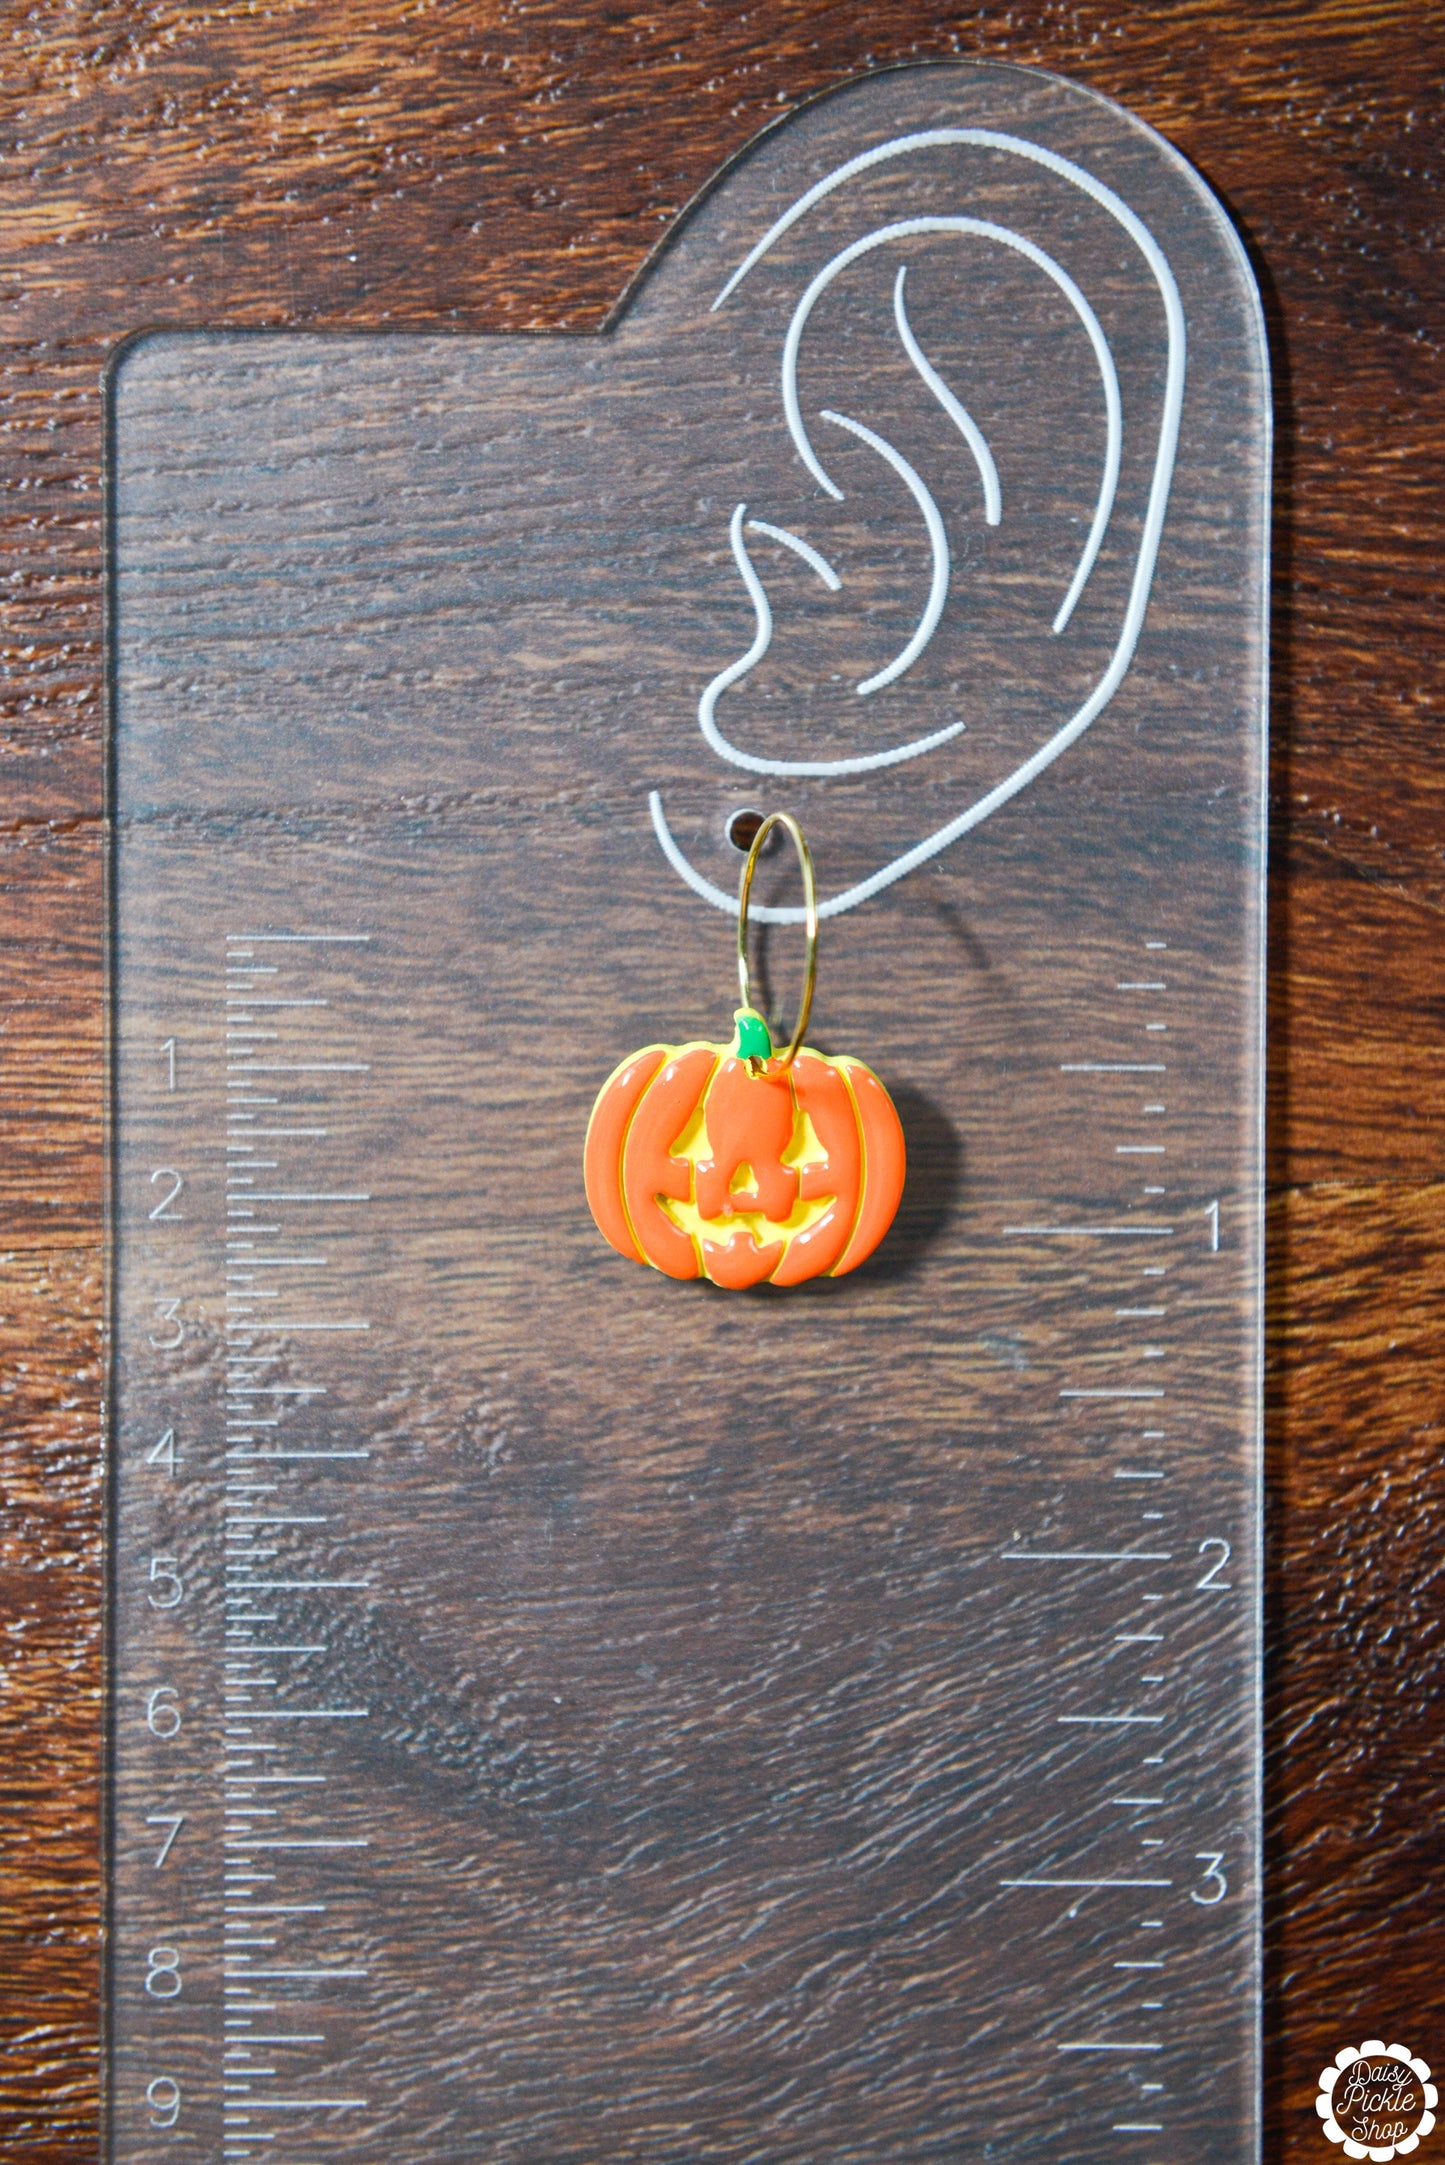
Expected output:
(163, 1716)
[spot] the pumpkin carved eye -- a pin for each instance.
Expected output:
(702, 1167)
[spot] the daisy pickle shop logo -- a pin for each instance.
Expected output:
(1377, 2100)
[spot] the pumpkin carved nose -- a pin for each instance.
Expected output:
(749, 1123)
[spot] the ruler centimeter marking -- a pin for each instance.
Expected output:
(1134, 1786)
(267, 1845)
(285, 1908)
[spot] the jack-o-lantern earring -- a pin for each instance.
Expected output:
(734, 1163)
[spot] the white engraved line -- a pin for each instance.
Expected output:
(801, 548)
(937, 539)
(762, 639)
(1105, 2046)
(719, 743)
(982, 229)
(1104, 691)
(899, 146)
(957, 412)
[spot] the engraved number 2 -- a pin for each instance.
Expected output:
(1211, 1581)
(162, 1213)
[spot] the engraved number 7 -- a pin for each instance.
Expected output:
(174, 1821)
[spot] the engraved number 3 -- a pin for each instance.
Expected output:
(1211, 1859)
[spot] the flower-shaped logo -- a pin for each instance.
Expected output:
(1376, 2099)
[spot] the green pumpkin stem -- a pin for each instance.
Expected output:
(752, 1039)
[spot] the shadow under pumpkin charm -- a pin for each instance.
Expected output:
(734, 1163)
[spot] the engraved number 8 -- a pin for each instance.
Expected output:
(163, 1978)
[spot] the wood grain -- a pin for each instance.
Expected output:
(499, 168)
(727, 1654)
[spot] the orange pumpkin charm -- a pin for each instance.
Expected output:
(704, 1168)
(732, 1163)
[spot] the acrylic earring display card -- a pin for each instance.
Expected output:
(559, 1711)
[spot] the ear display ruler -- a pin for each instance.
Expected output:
(563, 1714)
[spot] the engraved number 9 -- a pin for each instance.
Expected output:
(164, 2098)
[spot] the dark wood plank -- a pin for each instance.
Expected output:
(494, 169)
(52, 908)
(1355, 997)
(1357, 1650)
(51, 1360)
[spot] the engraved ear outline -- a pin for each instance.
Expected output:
(922, 495)
(867, 762)
(954, 407)
(1006, 237)
(754, 762)
(1078, 177)
(801, 548)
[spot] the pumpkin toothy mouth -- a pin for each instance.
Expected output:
(763, 1229)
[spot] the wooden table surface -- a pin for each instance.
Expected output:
(491, 165)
